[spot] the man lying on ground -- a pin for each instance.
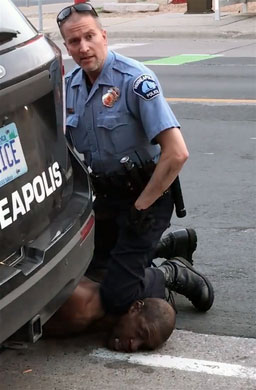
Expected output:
(147, 324)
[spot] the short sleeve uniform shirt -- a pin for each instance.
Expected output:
(120, 116)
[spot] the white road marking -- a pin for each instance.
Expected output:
(179, 363)
(115, 46)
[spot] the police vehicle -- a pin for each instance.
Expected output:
(46, 217)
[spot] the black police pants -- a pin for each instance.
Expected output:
(129, 256)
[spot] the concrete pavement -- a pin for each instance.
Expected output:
(155, 24)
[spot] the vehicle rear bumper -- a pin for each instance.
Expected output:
(44, 292)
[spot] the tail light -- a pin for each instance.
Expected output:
(86, 229)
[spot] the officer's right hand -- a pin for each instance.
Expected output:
(140, 221)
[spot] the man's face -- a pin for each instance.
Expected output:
(86, 42)
(132, 333)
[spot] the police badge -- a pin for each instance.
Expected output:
(109, 98)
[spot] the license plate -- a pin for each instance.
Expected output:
(12, 160)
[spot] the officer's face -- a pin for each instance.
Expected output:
(86, 42)
(132, 332)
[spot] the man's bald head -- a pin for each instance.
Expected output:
(160, 317)
(147, 325)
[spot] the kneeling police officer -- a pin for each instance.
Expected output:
(117, 115)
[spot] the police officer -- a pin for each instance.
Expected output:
(115, 110)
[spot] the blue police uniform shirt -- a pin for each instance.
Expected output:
(120, 116)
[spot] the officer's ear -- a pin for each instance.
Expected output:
(137, 306)
(104, 36)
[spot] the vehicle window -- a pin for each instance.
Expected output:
(14, 28)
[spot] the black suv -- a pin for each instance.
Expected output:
(46, 217)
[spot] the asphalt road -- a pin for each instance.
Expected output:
(219, 190)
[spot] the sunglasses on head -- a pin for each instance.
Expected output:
(80, 7)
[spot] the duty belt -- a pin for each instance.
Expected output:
(115, 185)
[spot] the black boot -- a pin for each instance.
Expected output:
(181, 243)
(182, 278)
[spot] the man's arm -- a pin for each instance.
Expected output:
(174, 154)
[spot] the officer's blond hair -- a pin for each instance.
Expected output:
(96, 18)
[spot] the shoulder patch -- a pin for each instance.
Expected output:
(146, 87)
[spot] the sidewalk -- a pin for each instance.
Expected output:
(166, 23)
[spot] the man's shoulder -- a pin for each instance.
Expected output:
(129, 66)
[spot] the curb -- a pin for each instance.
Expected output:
(55, 35)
